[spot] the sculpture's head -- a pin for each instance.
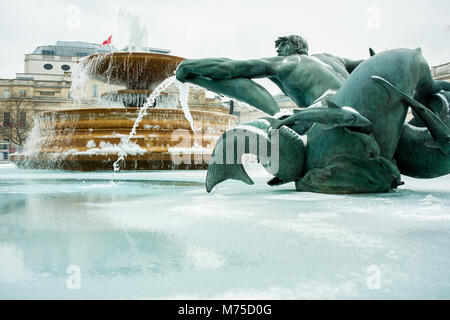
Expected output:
(289, 45)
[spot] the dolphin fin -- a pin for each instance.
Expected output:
(220, 173)
(300, 128)
(332, 105)
(371, 52)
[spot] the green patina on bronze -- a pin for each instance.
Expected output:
(354, 134)
(418, 153)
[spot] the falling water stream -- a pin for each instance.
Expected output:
(184, 94)
(142, 113)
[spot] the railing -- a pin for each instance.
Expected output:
(8, 148)
(440, 71)
(50, 57)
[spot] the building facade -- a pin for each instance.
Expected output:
(56, 62)
(44, 85)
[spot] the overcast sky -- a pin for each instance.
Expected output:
(238, 29)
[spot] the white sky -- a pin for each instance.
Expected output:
(238, 29)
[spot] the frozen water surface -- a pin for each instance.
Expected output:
(159, 235)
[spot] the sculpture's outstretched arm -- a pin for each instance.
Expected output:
(232, 78)
(242, 89)
(222, 68)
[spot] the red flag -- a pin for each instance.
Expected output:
(106, 42)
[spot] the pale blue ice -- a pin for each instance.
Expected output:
(159, 235)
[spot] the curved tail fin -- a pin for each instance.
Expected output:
(219, 173)
(226, 161)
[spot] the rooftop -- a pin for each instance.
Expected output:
(73, 49)
(83, 49)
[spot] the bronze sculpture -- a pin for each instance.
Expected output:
(337, 158)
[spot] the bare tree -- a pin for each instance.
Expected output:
(16, 113)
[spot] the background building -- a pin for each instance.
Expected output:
(56, 62)
(247, 113)
(43, 86)
(441, 72)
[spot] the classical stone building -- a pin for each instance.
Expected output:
(43, 85)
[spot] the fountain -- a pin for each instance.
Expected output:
(97, 138)
(159, 235)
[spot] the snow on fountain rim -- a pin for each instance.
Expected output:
(109, 148)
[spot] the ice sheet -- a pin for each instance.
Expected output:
(159, 235)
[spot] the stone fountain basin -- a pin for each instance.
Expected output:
(91, 139)
(135, 70)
